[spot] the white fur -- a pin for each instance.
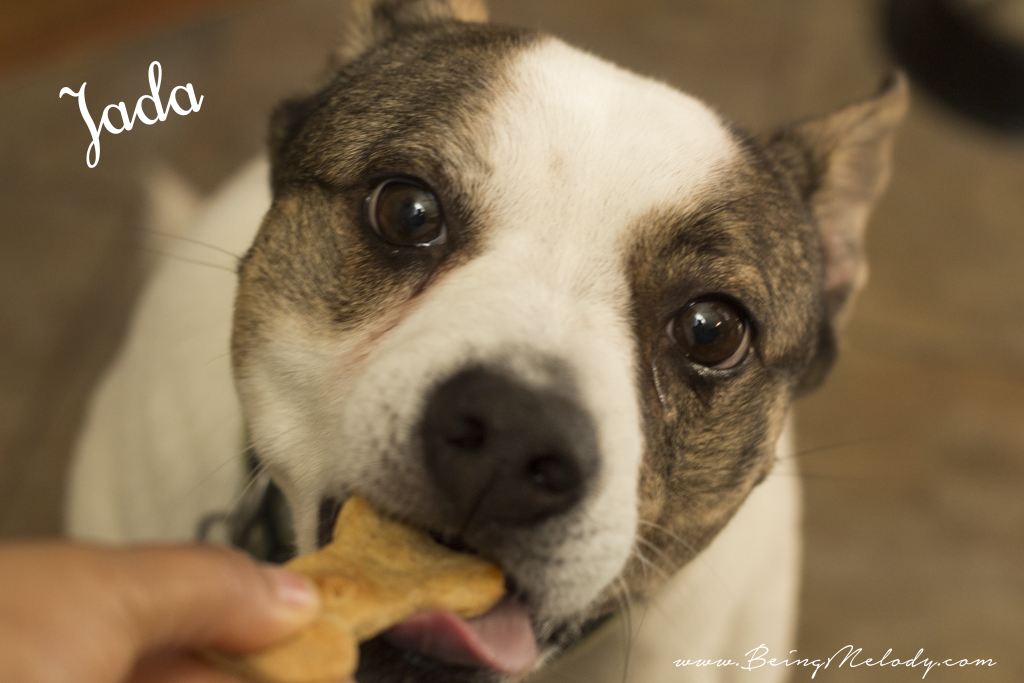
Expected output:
(739, 593)
(580, 152)
(160, 446)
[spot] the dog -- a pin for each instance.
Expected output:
(551, 311)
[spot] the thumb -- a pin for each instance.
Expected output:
(191, 597)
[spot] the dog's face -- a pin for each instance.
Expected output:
(543, 307)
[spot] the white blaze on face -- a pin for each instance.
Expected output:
(578, 151)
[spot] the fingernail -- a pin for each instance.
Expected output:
(295, 590)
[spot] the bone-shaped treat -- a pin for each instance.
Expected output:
(373, 575)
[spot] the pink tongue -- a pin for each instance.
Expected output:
(501, 640)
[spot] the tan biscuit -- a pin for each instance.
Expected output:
(374, 574)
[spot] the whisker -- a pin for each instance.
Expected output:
(185, 259)
(669, 618)
(250, 480)
(193, 241)
(802, 474)
(646, 564)
(693, 551)
(830, 477)
(215, 470)
(666, 575)
(217, 358)
(639, 627)
(818, 450)
(668, 532)
(628, 626)
(228, 516)
(250, 477)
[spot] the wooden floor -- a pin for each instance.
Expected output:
(915, 447)
(37, 31)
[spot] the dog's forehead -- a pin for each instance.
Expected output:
(626, 188)
(579, 154)
(583, 137)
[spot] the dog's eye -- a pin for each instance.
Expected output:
(406, 213)
(712, 332)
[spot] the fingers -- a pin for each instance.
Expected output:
(59, 617)
(81, 614)
(192, 597)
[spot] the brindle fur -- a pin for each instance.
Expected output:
(313, 255)
(781, 236)
(771, 239)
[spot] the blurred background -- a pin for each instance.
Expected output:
(913, 452)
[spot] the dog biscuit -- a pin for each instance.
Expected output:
(374, 574)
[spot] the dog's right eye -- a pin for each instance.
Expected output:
(406, 213)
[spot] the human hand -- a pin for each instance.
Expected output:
(72, 613)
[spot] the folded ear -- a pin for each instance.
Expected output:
(841, 164)
(373, 22)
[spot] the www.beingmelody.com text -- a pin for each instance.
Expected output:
(756, 660)
(92, 154)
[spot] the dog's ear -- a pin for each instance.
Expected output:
(841, 164)
(372, 22)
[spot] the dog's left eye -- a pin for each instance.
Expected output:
(406, 213)
(712, 332)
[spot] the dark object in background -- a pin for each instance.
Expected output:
(952, 54)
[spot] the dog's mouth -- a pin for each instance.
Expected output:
(502, 640)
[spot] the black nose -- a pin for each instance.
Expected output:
(504, 452)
